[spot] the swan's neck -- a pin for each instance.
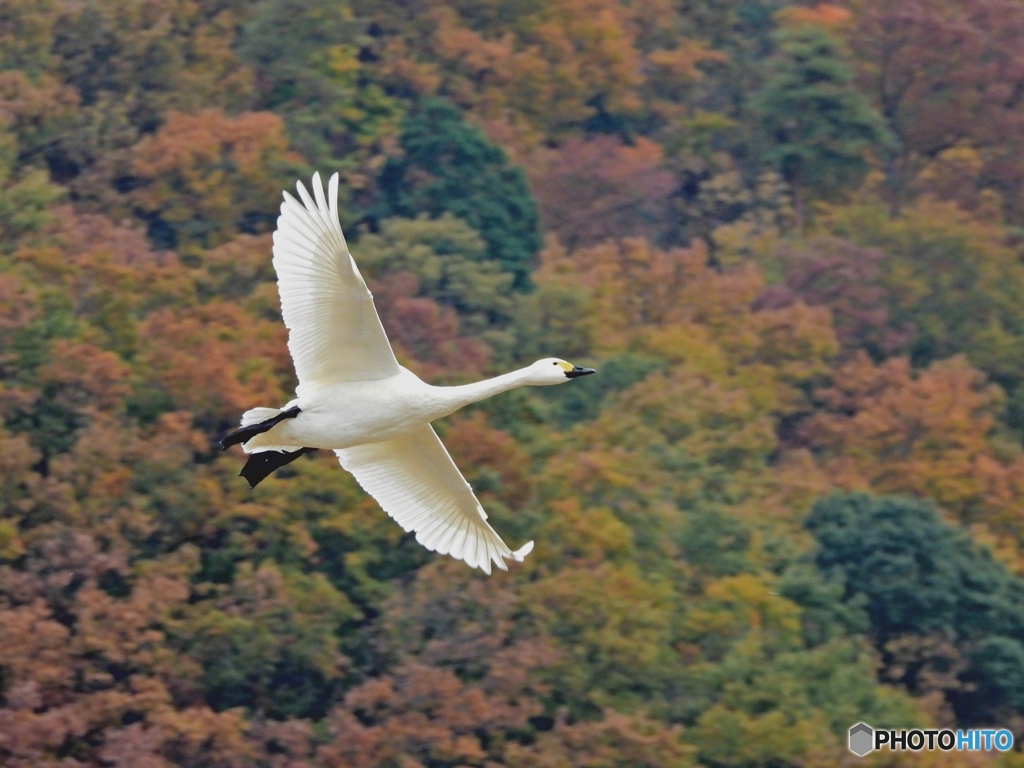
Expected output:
(454, 398)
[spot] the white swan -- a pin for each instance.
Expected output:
(355, 399)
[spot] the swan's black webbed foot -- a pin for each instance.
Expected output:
(261, 464)
(245, 434)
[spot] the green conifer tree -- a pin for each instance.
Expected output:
(918, 576)
(449, 165)
(819, 128)
(306, 55)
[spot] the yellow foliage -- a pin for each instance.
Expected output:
(733, 738)
(677, 307)
(740, 605)
(583, 539)
(607, 614)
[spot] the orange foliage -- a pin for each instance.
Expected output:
(90, 253)
(63, 685)
(539, 71)
(467, 669)
(91, 375)
(545, 67)
(577, 50)
(671, 73)
(496, 465)
(416, 713)
(822, 15)
(31, 109)
(91, 486)
(17, 305)
(681, 63)
(205, 173)
(215, 359)
(615, 740)
(885, 428)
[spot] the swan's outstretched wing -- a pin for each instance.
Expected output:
(334, 333)
(416, 482)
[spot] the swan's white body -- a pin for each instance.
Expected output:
(355, 399)
(350, 413)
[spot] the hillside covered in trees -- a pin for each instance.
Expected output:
(790, 237)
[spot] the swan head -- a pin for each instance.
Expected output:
(552, 370)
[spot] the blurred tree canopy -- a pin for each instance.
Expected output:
(785, 233)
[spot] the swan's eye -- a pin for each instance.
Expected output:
(554, 363)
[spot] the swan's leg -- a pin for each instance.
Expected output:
(263, 463)
(246, 434)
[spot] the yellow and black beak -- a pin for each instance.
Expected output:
(576, 372)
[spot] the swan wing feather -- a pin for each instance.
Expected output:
(415, 481)
(334, 333)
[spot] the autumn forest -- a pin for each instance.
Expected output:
(790, 237)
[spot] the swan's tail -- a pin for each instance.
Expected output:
(265, 441)
(259, 415)
(254, 435)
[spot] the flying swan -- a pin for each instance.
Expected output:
(355, 399)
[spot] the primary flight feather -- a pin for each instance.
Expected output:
(355, 399)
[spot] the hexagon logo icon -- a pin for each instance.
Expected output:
(862, 738)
